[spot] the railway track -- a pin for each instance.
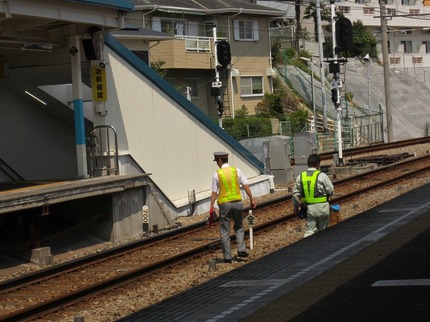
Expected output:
(63, 285)
(377, 148)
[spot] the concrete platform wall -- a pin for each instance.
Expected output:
(127, 214)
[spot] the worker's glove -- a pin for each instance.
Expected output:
(213, 217)
(303, 211)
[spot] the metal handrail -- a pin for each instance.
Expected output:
(101, 150)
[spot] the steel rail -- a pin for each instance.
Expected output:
(104, 286)
(54, 304)
(122, 249)
(94, 258)
(352, 178)
(348, 196)
(377, 147)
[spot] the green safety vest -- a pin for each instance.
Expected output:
(309, 183)
(229, 189)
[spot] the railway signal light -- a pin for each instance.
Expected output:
(343, 29)
(335, 97)
(223, 53)
(220, 106)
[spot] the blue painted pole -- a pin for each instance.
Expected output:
(78, 107)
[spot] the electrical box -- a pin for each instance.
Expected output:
(274, 152)
(305, 144)
(215, 91)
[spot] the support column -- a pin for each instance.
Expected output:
(78, 107)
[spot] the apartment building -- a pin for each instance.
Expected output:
(189, 56)
(408, 29)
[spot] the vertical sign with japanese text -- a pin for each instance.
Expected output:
(98, 80)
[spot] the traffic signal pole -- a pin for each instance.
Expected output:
(217, 83)
(216, 54)
(335, 88)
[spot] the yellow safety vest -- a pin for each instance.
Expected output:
(309, 183)
(229, 189)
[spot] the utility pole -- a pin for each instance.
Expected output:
(335, 88)
(322, 74)
(388, 103)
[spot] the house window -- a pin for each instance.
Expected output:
(391, 12)
(407, 46)
(170, 26)
(414, 11)
(246, 30)
(368, 11)
(343, 9)
(251, 86)
(417, 60)
(194, 84)
(209, 28)
(394, 60)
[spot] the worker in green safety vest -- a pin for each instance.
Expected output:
(311, 194)
(226, 183)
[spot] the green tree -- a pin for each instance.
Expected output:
(245, 127)
(301, 33)
(298, 120)
(363, 41)
(271, 106)
(242, 112)
(277, 54)
(311, 13)
(290, 53)
(157, 66)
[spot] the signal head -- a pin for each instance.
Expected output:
(223, 53)
(343, 30)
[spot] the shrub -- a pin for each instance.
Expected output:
(246, 127)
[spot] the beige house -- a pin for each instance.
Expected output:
(190, 59)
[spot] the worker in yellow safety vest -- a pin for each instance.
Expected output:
(226, 182)
(311, 194)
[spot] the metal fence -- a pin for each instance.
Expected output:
(359, 125)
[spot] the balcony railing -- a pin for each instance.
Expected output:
(197, 44)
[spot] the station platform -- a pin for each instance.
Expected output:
(48, 214)
(16, 196)
(372, 267)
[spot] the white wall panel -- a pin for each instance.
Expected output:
(163, 138)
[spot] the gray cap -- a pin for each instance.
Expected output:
(220, 155)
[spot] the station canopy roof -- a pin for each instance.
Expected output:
(41, 24)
